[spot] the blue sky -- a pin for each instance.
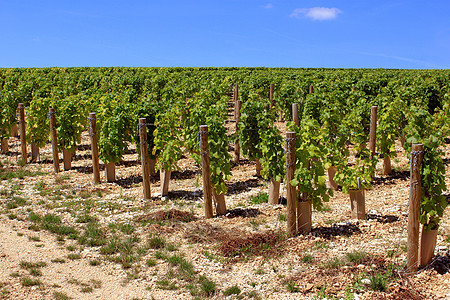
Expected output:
(311, 33)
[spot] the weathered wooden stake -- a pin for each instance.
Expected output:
(144, 158)
(414, 208)
(291, 191)
(331, 172)
(23, 141)
(295, 114)
(304, 215)
(220, 204)
(206, 173)
(258, 168)
(373, 130)
(236, 99)
(358, 204)
(274, 191)
(34, 152)
(110, 172)
(164, 177)
(271, 95)
(311, 89)
(387, 169)
(67, 159)
(237, 147)
(14, 131)
(152, 164)
(4, 145)
(54, 139)
(427, 246)
(94, 147)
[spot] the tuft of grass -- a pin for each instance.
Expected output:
(260, 198)
(73, 256)
(27, 281)
(87, 289)
(30, 265)
(334, 263)
(15, 202)
(232, 290)
(18, 173)
(95, 262)
(165, 284)
(207, 286)
(93, 235)
(356, 257)
(86, 218)
(307, 258)
(60, 296)
(379, 282)
(291, 287)
(58, 260)
(157, 242)
(150, 262)
(34, 238)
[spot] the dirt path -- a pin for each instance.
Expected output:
(74, 278)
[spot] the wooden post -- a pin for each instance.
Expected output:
(236, 99)
(164, 177)
(94, 147)
(144, 157)
(291, 191)
(295, 114)
(110, 172)
(258, 168)
(237, 147)
(311, 89)
(414, 208)
(331, 172)
(34, 152)
(373, 131)
(67, 159)
(54, 139)
(152, 164)
(274, 191)
(220, 204)
(271, 95)
(14, 131)
(304, 214)
(4, 145)
(387, 169)
(358, 204)
(23, 141)
(206, 173)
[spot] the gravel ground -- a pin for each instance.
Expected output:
(189, 260)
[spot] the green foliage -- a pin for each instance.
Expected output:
(9, 100)
(310, 164)
(391, 120)
(167, 138)
(115, 128)
(430, 130)
(38, 128)
(357, 176)
(249, 128)
(207, 107)
(70, 120)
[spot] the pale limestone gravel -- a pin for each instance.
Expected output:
(264, 275)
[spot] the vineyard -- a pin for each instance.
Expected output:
(237, 183)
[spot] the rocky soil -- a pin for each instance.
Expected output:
(62, 237)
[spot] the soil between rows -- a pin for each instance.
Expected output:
(246, 248)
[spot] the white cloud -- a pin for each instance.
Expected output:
(268, 6)
(316, 13)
